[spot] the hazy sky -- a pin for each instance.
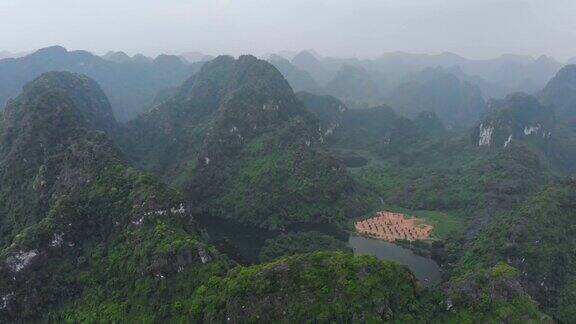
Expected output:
(363, 28)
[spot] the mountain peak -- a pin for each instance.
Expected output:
(48, 144)
(118, 57)
(225, 74)
(560, 93)
(239, 118)
(305, 57)
(169, 60)
(51, 50)
(85, 93)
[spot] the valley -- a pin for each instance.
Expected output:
(233, 198)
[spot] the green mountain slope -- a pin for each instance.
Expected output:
(86, 238)
(77, 222)
(364, 134)
(321, 287)
(536, 238)
(242, 146)
(49, 145)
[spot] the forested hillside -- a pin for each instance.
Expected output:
(85, 236)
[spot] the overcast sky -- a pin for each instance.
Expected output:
(362, 28)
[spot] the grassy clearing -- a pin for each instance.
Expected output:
(445, 225)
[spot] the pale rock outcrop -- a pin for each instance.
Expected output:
(508, 141)
(57, 240)
(529, 130)
(485, 135)
(20, 260)
(204, 256)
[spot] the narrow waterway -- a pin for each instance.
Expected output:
(425, 269)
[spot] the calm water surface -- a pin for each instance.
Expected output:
(425, 269)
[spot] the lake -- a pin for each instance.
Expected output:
(425, 269)
(242, 243)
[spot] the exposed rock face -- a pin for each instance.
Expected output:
(20, 260)
(518, 117)
(508, 141)
(204, 256)
(485, 135)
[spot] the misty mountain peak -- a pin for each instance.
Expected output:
(168, 60)
(52, 50)
(119, 57)
(85, 93)
(560, 93)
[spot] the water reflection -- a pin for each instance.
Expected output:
(425, 269)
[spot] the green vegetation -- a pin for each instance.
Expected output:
(271, 184)
(445, 225)
(538, 239)
(86, 232)
(240, 145)
(120, 270)
(491, 296)
(299, 243)
(320, 287)
(86, 238)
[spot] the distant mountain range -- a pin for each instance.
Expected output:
(457, 103)
(368, 82)
(131, 85)
(7, 54)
